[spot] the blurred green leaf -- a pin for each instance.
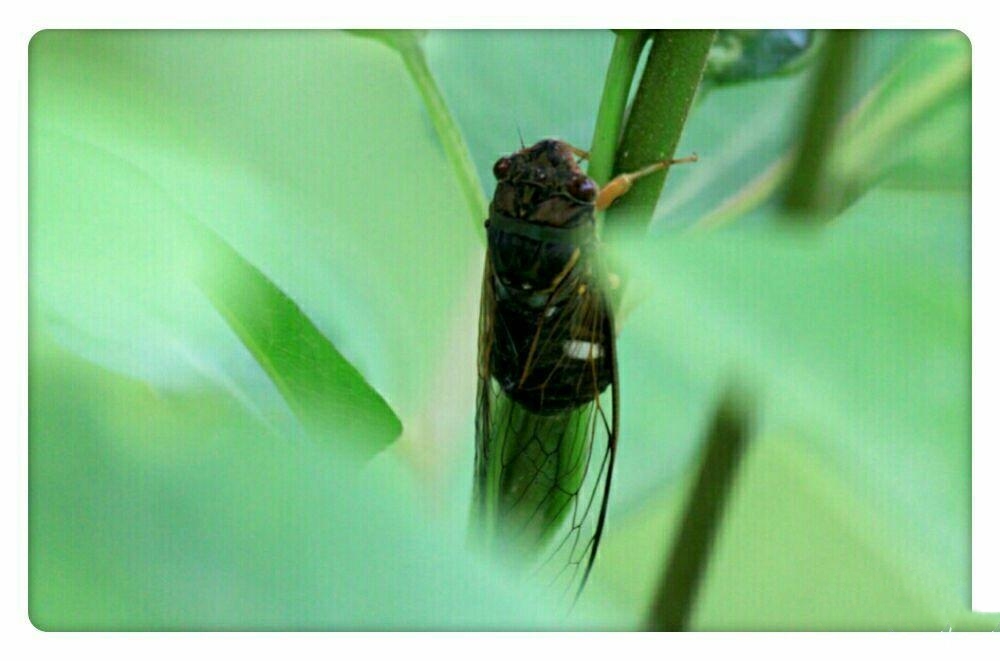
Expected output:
(858, 342)
(408, 43)
(744, 55)
(326, 392)
(307, 152)
(153, 510)
(914, 126)
(745, 134)
(502, 83)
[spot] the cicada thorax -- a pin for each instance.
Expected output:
(548, 353)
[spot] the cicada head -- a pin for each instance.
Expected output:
(544, 184)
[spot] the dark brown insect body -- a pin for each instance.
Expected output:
(547, 416)
(546, 420)
(542, 236)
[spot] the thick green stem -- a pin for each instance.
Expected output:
(811, 191)
(726, 444)
(447, 129)
(667, 88)
(614, 100)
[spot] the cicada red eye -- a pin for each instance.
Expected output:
(582, 188)
(501, 168)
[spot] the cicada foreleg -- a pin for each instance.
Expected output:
(582, 154)
(621, 184)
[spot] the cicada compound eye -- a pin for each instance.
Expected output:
(501, 168)
(582, 188)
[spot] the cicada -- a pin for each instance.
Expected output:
(547, 420)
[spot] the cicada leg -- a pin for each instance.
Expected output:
(582, 154)
(621, 184)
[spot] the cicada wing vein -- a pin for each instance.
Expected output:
(543, 479)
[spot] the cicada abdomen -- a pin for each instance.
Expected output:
(547, 420)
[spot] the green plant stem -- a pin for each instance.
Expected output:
(811, 192)
(725, 446)
(614, 99)
(667, 88)
(455, 149)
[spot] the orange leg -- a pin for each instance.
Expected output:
(623, 182)
(579, 153)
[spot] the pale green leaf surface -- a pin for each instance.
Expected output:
(500, 83)
(124, 277)
(914, 125)
(163, 511)
(315, 163)
(857, 341)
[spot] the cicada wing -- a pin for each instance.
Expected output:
(543, 480)
(570, 555)
(487, 391)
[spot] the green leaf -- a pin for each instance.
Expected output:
(500, 84)
(309, 154)
(857, 343)
(408, 44)
(159, 510)
(914, 126)
(328, 395)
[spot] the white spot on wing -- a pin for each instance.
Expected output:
(580, 350)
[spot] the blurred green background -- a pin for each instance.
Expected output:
(228, 229)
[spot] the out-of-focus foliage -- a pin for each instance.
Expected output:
(743, 55)
(323, 390)
(155, 509)
(747, 131)
(305, 152)
(913, 128)
(860, 354)
(171, 485)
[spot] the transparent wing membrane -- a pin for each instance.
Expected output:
(543, 477)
